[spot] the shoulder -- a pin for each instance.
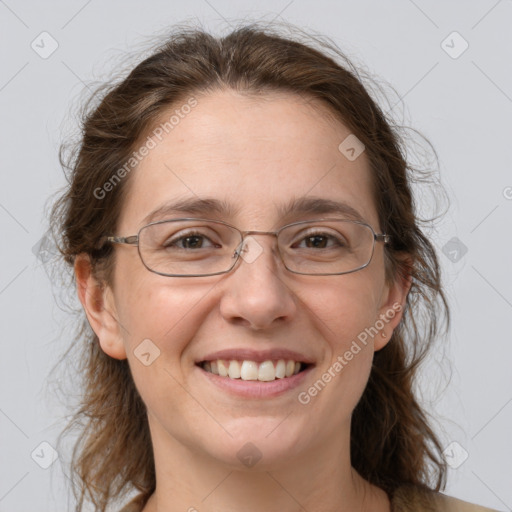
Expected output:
(457, 505)
(419, 499)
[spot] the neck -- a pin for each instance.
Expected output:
(320, 479)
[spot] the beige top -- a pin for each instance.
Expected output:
(414, 499)
(405, 499)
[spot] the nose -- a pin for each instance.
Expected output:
(256, 293)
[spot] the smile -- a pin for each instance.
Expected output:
(265, 371)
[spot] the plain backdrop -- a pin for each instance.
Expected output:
(448, 61)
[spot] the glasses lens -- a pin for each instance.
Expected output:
(326, 247)
(188, 247)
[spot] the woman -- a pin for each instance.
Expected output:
(242, 232)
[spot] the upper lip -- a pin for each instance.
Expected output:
(258, 356)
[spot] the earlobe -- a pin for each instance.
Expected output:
(97, 301)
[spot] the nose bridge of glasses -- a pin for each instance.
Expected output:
(250, 249)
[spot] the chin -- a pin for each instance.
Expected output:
(258, 443)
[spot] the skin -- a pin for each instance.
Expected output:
(256, 153)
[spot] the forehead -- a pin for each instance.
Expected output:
(254, 155)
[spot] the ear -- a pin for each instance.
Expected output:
(98, 303)
(393, 302)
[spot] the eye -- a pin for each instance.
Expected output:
(317, 239)
(193, 239)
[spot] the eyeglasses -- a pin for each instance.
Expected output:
(202, 247)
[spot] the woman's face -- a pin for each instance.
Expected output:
(256, 156)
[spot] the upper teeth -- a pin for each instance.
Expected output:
(250, 370)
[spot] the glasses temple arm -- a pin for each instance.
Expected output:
(130, 240)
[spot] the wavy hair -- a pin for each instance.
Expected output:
(392, 441)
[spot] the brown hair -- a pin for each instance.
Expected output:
(392, 442)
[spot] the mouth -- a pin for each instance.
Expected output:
(253, 380)
(249, 370)
(255, 374)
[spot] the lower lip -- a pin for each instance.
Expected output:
(256, 388)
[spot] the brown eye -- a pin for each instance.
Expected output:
(317, 241)
(320, 240)
(192, 240)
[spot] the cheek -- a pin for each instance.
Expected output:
(345, 310)
(165, 310)
(345, 316)
(160, 317)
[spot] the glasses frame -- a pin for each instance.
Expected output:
(133, 240)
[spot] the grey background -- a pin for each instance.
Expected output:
(463, 105)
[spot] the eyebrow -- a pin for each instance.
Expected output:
(192, 206)
(302, 206)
